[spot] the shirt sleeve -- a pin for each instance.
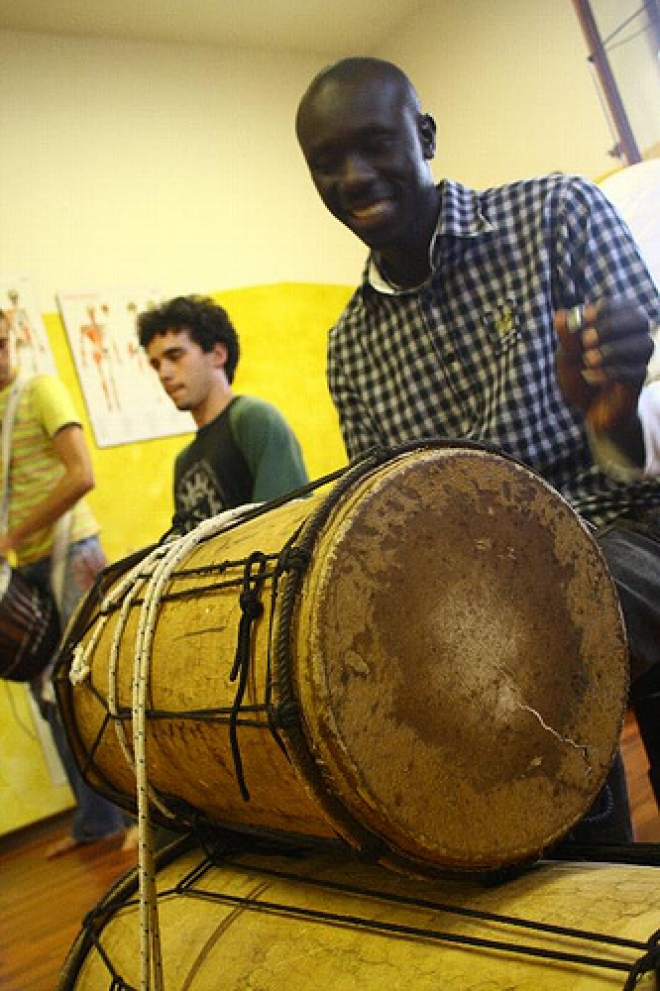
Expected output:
(596, 254)
(269, 447)
(53, 404)
(608, 457)
(606, 264)
(355, 421)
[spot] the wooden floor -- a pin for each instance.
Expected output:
(646, 817)
(42, 902)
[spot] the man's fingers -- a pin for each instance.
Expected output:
(619, 318)
(601, 374)
(609, 341)
(569, 340)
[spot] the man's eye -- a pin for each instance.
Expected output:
(378, 143)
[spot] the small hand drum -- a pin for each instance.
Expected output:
(29, 627)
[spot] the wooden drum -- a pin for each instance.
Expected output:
(427, 661)
(264, 922)
(29, 627)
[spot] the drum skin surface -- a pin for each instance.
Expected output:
(443, 684)
(468, 652)
(259, 923)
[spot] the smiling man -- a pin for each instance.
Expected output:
(244, 450)
(368, 147)
(518, 316)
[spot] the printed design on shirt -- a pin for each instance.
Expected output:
(198, 494)
(502, 323)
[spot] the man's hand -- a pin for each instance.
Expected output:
(604, 350)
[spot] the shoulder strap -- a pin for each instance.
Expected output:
(61, 529)
(15, 393)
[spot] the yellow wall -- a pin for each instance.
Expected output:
(283, 330)
(28, 790)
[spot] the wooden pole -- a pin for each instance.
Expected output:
(598, 57)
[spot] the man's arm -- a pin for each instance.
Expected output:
(606, 304)
(78, 479)
(603, 360)
(357, 425)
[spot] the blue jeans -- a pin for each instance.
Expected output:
(94, 816)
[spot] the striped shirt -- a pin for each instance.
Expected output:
(44, 408)
(470, 354)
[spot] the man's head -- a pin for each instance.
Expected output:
(368, 148)
(193, 348)
(206, 323)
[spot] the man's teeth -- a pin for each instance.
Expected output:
(366, 212)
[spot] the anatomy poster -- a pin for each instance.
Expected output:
(31, 353)
(125, 401)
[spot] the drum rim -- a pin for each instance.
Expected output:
(290, 722)
(353, 829)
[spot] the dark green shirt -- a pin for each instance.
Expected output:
(247, 454)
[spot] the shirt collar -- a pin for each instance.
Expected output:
(460, 216)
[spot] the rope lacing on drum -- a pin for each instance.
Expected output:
(602, 809)
(251, 610)
(647, 964)
(80, 669)
(293, 560)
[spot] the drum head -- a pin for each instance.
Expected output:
(465, 672)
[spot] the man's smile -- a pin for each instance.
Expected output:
(372, 211)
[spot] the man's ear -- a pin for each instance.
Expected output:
(220, 354)
(426, 128)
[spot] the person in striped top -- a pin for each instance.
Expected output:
(49, 473)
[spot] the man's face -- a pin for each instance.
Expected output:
(367, 148)
(5, 356)
(186, 371)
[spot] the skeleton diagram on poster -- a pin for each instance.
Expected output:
(31, 352)
(125, 401)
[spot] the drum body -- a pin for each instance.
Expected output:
(29, 627)
(438, 674)
(326, 922)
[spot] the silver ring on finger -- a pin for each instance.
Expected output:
(575, 320)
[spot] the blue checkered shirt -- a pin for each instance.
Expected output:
(471, 353)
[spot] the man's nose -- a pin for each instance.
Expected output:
(358, 170)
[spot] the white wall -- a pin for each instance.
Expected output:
(127, 163)
(625, 31)
(509, 85)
